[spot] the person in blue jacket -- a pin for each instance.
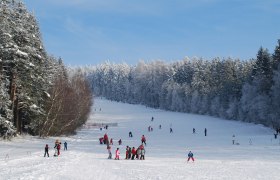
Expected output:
(190, 156)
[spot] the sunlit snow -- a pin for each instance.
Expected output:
(256, 156)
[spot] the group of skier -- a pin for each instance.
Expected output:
(57, 148)
(205, 131)
(131, 153)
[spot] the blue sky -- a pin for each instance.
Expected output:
(86, 32)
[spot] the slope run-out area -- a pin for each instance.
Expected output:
(256, 156)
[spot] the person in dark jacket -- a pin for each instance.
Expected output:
(190, 156)
(65, 146)
(205, 132)
(46, 150)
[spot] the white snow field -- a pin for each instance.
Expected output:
(215, 156)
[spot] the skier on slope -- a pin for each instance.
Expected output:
(46, 150)
(142, 153)
(133, 151)
(55, 148)
(109, 152)
(190, 156)
(143, 139)
(117, 154)
(106, 139)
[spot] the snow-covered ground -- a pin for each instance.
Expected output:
(215, 156)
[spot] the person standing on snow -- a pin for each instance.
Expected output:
(46, 150)
(205, 132)
(109, 152)
(143, 139)
(233, 139)
(120, 142)
(133, 151)
(190, 156)
(193, 130)
(111, 141)
(130, 134)
(142, 152)
(117, 154)
(65, 146)
(58, 148)
(55, 148)
(126, 152)
(106, 139)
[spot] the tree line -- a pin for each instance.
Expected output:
(223, 87)
(37, 94)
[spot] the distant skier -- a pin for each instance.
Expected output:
(160, 126)
(138, 152)
(101, 140)
(46, 150)
(111, 141)
(193, 130)
(142, 153)
(190, 156)
(205, 132)
(109, 152)
(106, 139)
(65, 146)
(133, 152)
(58, 148)
(171, 130)
(130, 134)
(126, 152)
(152, 119)
(275, 135)
(233, 139)
(143, 139)
(120, 142)
(117, 154)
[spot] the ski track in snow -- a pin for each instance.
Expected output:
(215, 157)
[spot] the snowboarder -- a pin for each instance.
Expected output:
(46, 150)
(130, 134)
(120, 142)
(117, 154)
(65, 146)
(143, 139)
(193, 130)
(109, 152)
(205, 132)
(190, 156)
